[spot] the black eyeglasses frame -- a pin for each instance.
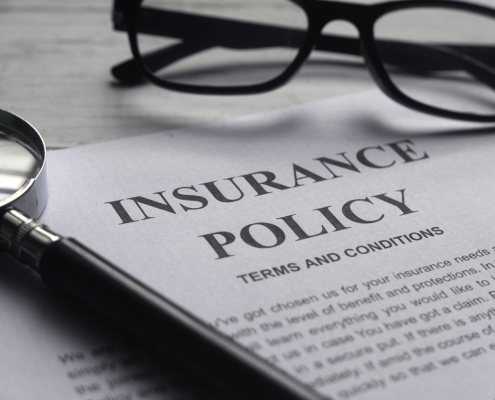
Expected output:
(319, 13)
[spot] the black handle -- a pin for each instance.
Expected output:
(72, 268)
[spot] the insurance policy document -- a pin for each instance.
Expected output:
(349, 242)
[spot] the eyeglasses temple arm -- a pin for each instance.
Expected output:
(129, 72)
(477, 68)
(425, 59)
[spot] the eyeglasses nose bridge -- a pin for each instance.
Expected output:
(330, 21)
(325, 12)
(316, 32)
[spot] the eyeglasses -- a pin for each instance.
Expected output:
(434, 56)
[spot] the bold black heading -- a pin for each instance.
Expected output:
(261, 183)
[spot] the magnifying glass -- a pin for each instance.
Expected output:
(67, 265)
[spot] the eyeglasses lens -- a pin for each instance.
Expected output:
(441, 57)
(234, 43)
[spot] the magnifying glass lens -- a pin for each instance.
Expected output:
(17, 166)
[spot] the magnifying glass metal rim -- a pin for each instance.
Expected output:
(31, 198)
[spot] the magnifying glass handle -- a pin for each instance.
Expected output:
(72, 268)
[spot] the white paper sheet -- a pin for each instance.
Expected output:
(393, 301)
